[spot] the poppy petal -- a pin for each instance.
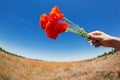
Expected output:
(55, 14)
(55, 9)
(63, 27)
(43, 21)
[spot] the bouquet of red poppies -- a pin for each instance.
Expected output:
(55, 23)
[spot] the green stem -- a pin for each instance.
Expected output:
(67, 20)
(76, 29)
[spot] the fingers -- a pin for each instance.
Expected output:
(95, 35)
(96, 38)
(96, 43)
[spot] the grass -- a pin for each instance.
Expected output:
(14, 67)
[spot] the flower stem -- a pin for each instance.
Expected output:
(76, 29)
(67, 20)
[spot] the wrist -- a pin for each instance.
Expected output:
(114, 43)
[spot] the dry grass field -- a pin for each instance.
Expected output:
(14, 67)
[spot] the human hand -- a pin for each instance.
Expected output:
(100, 39)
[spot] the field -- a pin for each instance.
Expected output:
(13, 67)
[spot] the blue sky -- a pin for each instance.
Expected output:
(20, 30)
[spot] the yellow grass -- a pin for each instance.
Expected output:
(17, 68)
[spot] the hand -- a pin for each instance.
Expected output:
(100, 39)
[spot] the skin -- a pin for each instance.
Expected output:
(102, 39)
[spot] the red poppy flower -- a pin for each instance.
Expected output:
(43, 21)
(55, 14)
(51, 23)
(54, 29)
